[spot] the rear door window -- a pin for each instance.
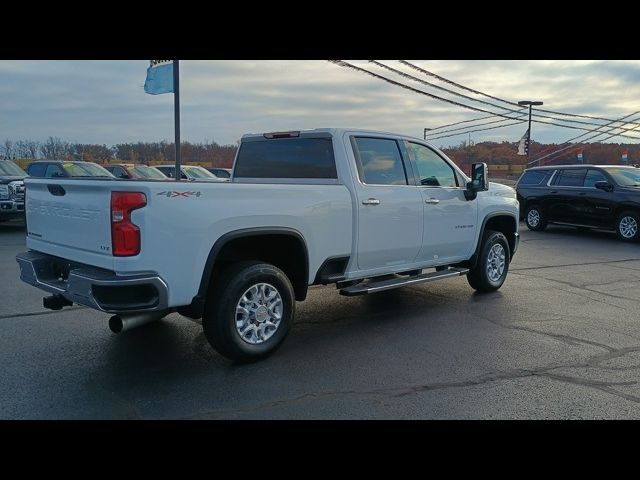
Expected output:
(119, 172)
(592, 177)
(379, 161)
(37, 169)
(54, 170)
(571, 177)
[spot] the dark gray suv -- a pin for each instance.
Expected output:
(11, 190)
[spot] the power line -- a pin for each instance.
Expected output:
(463, 121)
(582, 135)
(602, 140)
(406, 75)
(407, 87)
(451, 82)
(424, 82)
(477, 130)
(453, 102)
(470, 126)
(473, 126)
(591, 137)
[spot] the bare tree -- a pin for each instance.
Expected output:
(54, 148)
(33, 149)
(8, 149)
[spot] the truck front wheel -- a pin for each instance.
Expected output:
(491, 269)
(249, 311)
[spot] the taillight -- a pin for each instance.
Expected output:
(125, 236)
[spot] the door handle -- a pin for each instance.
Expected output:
(433, 201)
(554, 191)
(371, 201)
(582, 193)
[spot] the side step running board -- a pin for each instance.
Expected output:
(379, 286)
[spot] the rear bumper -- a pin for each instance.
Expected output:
(97, 288)
(11, 208)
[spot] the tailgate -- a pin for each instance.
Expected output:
(69, 214)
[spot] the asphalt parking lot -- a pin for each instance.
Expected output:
(560, 340)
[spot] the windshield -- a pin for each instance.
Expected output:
(625, 176)
(10, 169)
(198, 172)
(144, 171)
(85, 170)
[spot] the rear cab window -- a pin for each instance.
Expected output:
(295, 157)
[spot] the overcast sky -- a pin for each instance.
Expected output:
(104, 101)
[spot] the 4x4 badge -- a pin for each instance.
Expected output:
(171, 194)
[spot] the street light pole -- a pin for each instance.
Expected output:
(530, 103)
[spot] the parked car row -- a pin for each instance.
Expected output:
(72, 169)
(133, 171)
(192, 172)
(12, 190)
(585, 196)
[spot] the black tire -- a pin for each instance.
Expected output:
(219, 319)
(529, 219)
(478, 277)
(624, 222)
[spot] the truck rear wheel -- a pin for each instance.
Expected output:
(249, 311)
(493, 263)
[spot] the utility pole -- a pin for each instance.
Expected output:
(176, 113)
(530, 103)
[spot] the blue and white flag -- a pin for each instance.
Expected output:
(159, 77)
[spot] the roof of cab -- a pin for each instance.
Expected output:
(334, 132)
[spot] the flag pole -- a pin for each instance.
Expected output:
(176, 107)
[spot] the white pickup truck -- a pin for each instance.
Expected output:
(365, 210)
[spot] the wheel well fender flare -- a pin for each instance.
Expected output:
(473, 261)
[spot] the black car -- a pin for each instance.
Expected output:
(11, 190)
(62, 169)
(591, 196)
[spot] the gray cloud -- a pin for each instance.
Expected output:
(104, 101)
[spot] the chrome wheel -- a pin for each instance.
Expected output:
(258, 313)
(628, 227)
(496, 263)
(533, 218)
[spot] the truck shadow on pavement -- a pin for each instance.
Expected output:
(172, 352)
